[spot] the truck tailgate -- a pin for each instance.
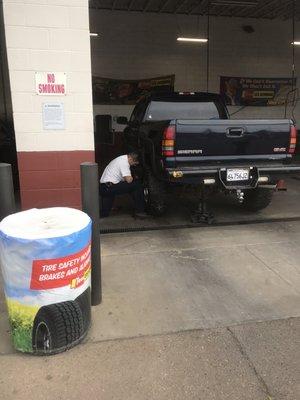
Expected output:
(203, 140)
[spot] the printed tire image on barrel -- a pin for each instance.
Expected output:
(60, 326)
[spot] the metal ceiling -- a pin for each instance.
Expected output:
(269, 9)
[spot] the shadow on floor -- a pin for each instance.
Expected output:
(225, 208)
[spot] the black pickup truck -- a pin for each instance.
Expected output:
(188, 139)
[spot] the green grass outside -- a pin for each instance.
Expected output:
(22, 338)
(21, 319)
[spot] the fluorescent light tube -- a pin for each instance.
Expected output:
(185, 39)
(94, 34)
(296, 43)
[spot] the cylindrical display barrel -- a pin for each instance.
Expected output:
(45, 257)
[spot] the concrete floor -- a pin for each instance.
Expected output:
(202, 313)
(247, 362)
(226, 209)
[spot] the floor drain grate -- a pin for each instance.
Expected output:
(187, 226)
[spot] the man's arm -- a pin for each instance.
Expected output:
(128, 179)
(126, 172)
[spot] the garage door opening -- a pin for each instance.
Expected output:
(136, 42)
(8, 152)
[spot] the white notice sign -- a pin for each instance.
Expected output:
(53, 116)
(51, 83)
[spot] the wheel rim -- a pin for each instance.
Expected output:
(160, 207)
(146, 194)
(43, 337)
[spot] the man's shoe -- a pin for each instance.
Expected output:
(141, 215)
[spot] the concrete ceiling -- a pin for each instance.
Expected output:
(269, 9)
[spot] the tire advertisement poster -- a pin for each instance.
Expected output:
(241, 91)
(116, 91)
(46, 268)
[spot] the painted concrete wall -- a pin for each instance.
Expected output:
(50, 36)
(44, 37)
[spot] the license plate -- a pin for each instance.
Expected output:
(237, 175)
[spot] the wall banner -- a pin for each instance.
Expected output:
(116, 91)
(240, 91)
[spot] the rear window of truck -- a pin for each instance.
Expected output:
(162, 110)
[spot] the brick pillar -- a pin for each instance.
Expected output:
(51, 37)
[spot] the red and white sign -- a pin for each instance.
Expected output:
(51, 83)
(72, 271)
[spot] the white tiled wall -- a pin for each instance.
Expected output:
(51, 36)
(142, 45)
(22, 37)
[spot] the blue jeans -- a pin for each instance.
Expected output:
(109, 191)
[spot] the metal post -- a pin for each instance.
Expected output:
(90, 205)
(293, 47)
(7, 195)
(208, 46)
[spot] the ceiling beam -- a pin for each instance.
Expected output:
(234, 3)
(205, 6)
(164, 5)
(146, 5)
(282, 10)
(196, 6)
(245, 11)
(289, 14)
(231, 8)
(131, 3)
(267, 9)
(180, 5)
(259, 9)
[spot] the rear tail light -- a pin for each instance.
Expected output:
(168, 143)
(293, 139)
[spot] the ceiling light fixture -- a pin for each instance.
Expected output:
(186, 39)
(94, 34)
(296, 43)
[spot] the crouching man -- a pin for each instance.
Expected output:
(116, 180)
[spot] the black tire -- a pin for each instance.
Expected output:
(84, 301)
(57, 327)
(155, 195)
(126, 146)
(257, 199)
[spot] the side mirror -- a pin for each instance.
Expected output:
(122, 120)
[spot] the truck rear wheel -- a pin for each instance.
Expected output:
(155, 195)
(257, 199)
